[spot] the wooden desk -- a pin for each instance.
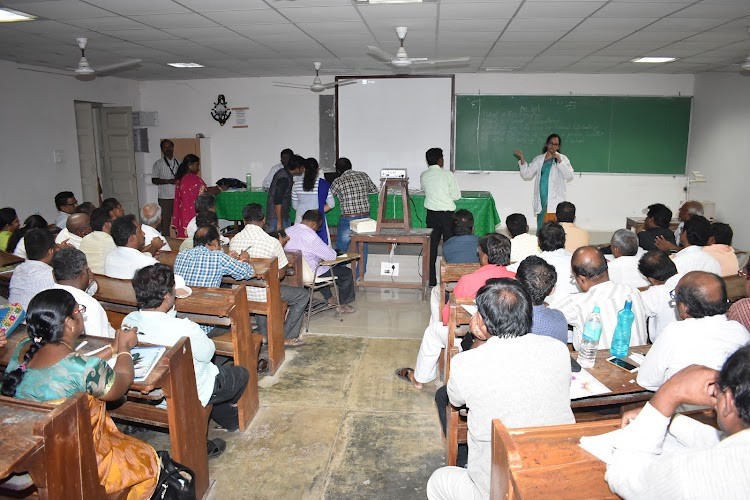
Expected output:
(212, 306)
(8, 259)
(638, 224)
(391, 236)
(17, 422)
(622, 384)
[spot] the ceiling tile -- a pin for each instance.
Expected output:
(349, 27)
(563, 8)
(148, 34)
(175, 21)
(464, 36)
(399, 12)
(657, 36)
(108, 23)
(478, 10)
(518, 48)
(640, 9)
(715, 11)
(532, 36)
(208, 33)
(319, 14)
(203, 5)
(684, 24)
(63, 9)
(140, 7)
(260, 30)
(612, 23)
(495, 25)
(246, 17)
(542, 24)
(584, 35)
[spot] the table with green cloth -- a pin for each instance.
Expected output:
(481, 204)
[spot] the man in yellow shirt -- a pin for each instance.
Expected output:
(440, 191)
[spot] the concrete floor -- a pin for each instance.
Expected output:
(335, 422)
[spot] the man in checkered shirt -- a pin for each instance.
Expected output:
(352, 189)
(258, 244)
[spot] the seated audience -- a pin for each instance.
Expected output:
(522, 244)
(77, 227)
(15, 243)
(623, 268)
(551, 238)
(45, 367)
(523, 380)
(693, 238)
(304, 238)
(8, 225)
(494, 255)
(538, 278)
(687, 210)
(286, 154)
(590, 273)
(66, 204)
(661, 273)
(113, 208)
(85, 208)
(72, 274)
(575, 237)
(740, 310)
(462, 246)
(258, 244)
(126, 259)
(221, 386)
(711, 463)
(719, 246)
(657, 222)
(34, 275)
(204, 219)
(150, 224)
(704, 336)
(98, 244)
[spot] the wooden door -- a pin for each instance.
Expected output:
(87, 152)
(118, 168)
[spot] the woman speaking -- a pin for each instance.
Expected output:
(552, 170)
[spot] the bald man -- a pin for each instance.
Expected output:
(77, 226)
(591, 276)
(704, 336)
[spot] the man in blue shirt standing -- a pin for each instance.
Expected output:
(440, 191)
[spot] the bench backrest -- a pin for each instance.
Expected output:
(449, 276)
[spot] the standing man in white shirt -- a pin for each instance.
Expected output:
(72, 273)
(704, 336)
(624, 267)
(286, 155)
(127, 258)
(662, 275)
(163, 176)
(711, 463)
(693, 238)
(441, 192)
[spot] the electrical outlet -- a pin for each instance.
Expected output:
(389, 268)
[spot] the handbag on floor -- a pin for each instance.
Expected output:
(176, 482)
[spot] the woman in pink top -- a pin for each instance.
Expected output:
(189, 186)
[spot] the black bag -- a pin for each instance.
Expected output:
(176, 482)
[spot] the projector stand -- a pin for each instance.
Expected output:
(395, 184)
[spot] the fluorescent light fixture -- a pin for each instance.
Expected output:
(186, 65)
(653, 60)
(501, 69)
(12, 16)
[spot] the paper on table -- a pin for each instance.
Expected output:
(471, 309)
(144, 360)
(583, 385)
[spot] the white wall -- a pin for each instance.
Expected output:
(278, 118)
(38, 118)
(720, 148)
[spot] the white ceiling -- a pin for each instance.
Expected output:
(235, 38)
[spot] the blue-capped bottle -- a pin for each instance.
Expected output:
(592, 330)
(621, 337)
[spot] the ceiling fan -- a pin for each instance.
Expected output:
(402, 60)
(85, 71)
(317, 85)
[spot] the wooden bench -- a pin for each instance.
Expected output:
(456, 430)
(735, 287)
(185, 417)
(53, 444)
(210, 306)
(546, 462)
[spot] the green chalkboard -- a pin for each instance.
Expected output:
(646, 135)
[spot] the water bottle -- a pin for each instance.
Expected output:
(248, 180)
(621, 337)
(592, 330)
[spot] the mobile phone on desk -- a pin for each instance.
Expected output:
(621, 363)
(574, 366)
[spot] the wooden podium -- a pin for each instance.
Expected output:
(383, 222)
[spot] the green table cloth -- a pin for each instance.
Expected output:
(481, 204)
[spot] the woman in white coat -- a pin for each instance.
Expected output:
(552, 170)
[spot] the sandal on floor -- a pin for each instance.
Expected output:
(262, 365)
(295, 342)
(215, 447)
(406, 374)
